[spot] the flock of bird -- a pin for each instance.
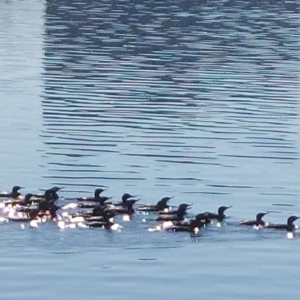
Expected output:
(100, 211)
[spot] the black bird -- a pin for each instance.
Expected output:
(100, 200)
(49, 193)
(289, 226)
(127, 208)
(220, 216)
(182, 208)
(100, 220)
(258, 222)
(175, 215)
(202, 218)
(193, 226)
(106, 222)
(24, 202)
(15, 194)
(97, 212)
(125, 198)
(96, 197)
(159, 206)
(43, 207)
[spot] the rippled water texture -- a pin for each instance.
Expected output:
(194, 99)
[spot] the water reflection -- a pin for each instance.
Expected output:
(191, 94)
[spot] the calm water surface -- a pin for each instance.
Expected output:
(194, 99)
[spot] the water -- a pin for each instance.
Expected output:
(194, 99)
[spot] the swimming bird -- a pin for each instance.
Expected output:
(258, 223)
(290, 227)
(125, 198)
(95, 215)
(43, 205)
(174, 215)
(202, 218)
(107, 222)
(161, 205)
(15, 194)
(127, 208)
(49, 193)
(220, 216)
(95, 198)
(193, 226)
(21, 202)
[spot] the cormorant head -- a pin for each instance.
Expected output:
(16, 188)
(14, 192)
(182, 208)
(222, 209)
(291, 220)
(259, 219)
(126, 196)
(97, 192)
(27, 198)
(163, 203)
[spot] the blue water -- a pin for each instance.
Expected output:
(193, 99)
